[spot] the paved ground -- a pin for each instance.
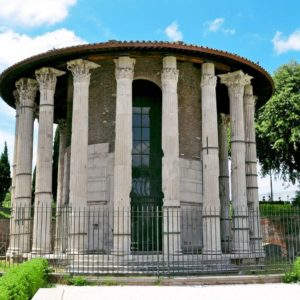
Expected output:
(276, 291)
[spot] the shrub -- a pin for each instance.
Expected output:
(76, 280)
(22, 281)
(294, 274)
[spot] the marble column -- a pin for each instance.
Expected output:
(236, 82)
(41, 243)
(27, 89)
(224, 183)
(170, 160)
(124, 73)
(210, 161)
(79, 153)
(251, 172)
(60, 231)
(14, 168)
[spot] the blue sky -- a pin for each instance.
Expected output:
(267, 32)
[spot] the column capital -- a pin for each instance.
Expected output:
(27, 89)
(17, 101)
(80, 69)
(249, 98)
(169, 71)
(235, 79)
(47, 77)
(208, 80)
(124, 67)
(208, 77)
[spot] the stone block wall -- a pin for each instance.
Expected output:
(191, 204)
(102, 102)
(99, 202)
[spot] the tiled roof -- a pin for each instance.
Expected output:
(20, 68)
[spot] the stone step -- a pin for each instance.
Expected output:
(151, 268)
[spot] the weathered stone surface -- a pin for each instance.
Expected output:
(210, 159)
(47, 78)
(20, 242)
(79, 151)
(224, 183)
(251, 171)
(124, 73)
(236, 82)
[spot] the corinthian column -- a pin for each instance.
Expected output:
(79, 152)
(170, 160)
(236, 82)
(210, 159)
(46, 78)
(224, 183)
(14, 167)
(251, 171)
(27, 89)
(60, 209)
(123, 146)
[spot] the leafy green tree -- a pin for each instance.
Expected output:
(278, 125)
(5, 180)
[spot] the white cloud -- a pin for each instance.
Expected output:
(35, 12)
(173, 32)
(229, 31)
(217, 25)
(292, 42)
(20, 46)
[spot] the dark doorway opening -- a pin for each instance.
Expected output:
(146, 193)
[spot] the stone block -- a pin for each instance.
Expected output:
(196, 165)
(191, 197)
(91, 150)
(101, 148)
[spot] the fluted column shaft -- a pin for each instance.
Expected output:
(14, 166)
(60, 210)
(46, 78)
(27, 89)
(236, 82)
(170, 160)
(79, 152)
(224, 183)
(210, 160)
(124, 73)
(251, 171)
(14, 169)
(61, 163)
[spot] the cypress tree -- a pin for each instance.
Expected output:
(5, 180)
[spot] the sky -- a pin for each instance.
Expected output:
(264, 31)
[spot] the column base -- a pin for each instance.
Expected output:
(40, 251)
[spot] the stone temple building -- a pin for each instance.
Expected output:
(143, 155)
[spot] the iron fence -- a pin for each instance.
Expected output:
(151, 240)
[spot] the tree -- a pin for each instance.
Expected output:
(5, 180)
(278, 125)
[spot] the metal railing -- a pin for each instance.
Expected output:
(151, 240)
